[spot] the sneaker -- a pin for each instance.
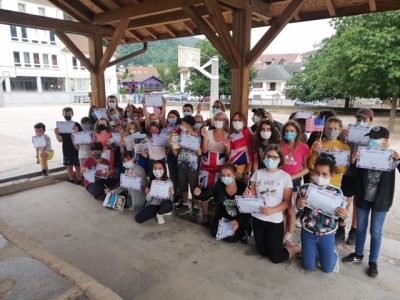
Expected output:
(352, 258)
(245, 239)
(184, 210)
(351, 239)
(373, 269)
(340, 233)
(168, 214)
(160, 219)
(45, 173)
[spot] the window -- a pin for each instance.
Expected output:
(24, 34)
(54, 61)
(53, 84)
(27, 59)
(23, 83)
(21, 7)
(45, 60)
(41, 11)
(74, 63)
(272, 86)
(17, 59)
(257, 85)
(52, 38)
(36, 60)
(14, 34)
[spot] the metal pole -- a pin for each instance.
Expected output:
(214, 90)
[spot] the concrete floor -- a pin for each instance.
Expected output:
(177, 260)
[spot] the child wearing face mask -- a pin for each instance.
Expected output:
(70, 154)
(112, 103)
(240, 147)
(374, 193)
(103, 135)
(187, 109)
(156, 207)
(137, 198)
(223, 195)
(275, 186)
(265, 135)
(318, 230)
(155, 153)
(84, 150)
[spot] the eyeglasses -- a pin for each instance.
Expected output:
(272, 157)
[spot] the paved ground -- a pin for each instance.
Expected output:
(177, 260)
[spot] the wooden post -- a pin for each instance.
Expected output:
(97, 78)
(241, 74)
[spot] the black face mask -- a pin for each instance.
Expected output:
(67, 118)
(102, 127)
(97, 155)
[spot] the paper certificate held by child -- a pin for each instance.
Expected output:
(153, 100)
(39, 141)
(160, 189)
(375, 159)
(131, 182)
(324, 201)
(117, 137)
(249, 205)
(140, 148)
(114, 201)
(225, 229)
(101, 113)
(90, 175)
(82, 138)
(65, 126)
(357, 134)
(160, 140)
(342, 157)
(101, 170)
(190, 142)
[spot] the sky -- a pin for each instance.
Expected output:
(296, 37)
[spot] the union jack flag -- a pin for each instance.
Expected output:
(210, 167)
(315, 124)
(240, 144)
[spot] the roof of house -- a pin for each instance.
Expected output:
(260, 63)
(140, 73)
(293, 67)
(273, 72)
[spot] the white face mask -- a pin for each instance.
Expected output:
(321, 181)
(237, 125)
(218, 124)
(255, 119)
(265, 135)
(183, 128)
(158, 173)
(112, 104)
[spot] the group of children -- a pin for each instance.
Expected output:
(219, 159)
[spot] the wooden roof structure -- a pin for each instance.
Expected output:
(226, 23)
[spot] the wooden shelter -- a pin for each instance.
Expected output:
(226, 24)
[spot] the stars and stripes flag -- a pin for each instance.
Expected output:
(210, 167)
(315, 124)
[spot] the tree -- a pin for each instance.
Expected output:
(199, 85)
(362, 59)
(169, 73)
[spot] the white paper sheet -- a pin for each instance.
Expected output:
(375, 159)
(160, 189)
(65, 126)
(153, 100)
(342, 157)
(101, 170)
(117, 137)
(160, 140)
(142, 147)
(82, 138)
(324, 201)
(225, 229)
(131, 182)
(130, 140)
(106, 154)
(190, 142)
(90, 175)
(304, 115)
(249, 205)
(39, 141)
(114, 201)
(357, 134)
(101, 113)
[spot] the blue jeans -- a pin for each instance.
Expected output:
(377, 220)
(320, 248)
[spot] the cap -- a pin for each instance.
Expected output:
(378, 132)
(138, 110)
(259, 111)
(189, 119)
(365, 112)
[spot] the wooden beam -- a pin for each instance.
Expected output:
(138, 10)
(331, 8)
(207, 31)
(223, 32)
(170, 30)
(189, 27)
(372, 5)
(97, 78)
(261, 10)
(235, 4)
(128, 56)
(45, 23)
(151, 33)
(77, 10)
(276, 27)
(75, 50)
(118, 34)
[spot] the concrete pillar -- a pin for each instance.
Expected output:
(39, 84)
(8, 84)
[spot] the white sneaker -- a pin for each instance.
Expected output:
(160, 219)
(168, 214)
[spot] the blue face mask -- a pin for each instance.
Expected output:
(187, 113)
(127, 164)
(372, 143)
(172, 121)
(290, 136)
(198, 125)
(215, 110)
(93, 115)
(227, 180)
(115, 117)
(270, 163)
(361, 123)
(86, 126)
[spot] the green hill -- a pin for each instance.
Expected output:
(158, 52)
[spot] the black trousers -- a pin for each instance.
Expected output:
(239, 233)
(149, 211)
(268, 237)
(97, 188)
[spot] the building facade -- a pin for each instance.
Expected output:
(36, 67)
